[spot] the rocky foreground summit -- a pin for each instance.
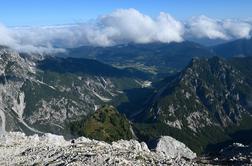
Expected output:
(49, 149)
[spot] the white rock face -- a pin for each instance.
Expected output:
(171, 148)
(49, 149)
(21, 83)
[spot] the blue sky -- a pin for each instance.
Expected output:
(50, 12)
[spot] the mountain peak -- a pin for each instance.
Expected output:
(209, 94)
(105, 124)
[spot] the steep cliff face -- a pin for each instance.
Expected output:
(205, 102)
(14, 70)
(207, 93)
(42, 95)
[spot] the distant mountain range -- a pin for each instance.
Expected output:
(237, 48)
(196, 94)
(156, 58)
(160, 57)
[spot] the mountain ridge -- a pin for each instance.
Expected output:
(209, 96)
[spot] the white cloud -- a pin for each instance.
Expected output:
(5, 36)
(237, 29)
(205, 27)
(120, 26)
(131, 25)
(24, 40)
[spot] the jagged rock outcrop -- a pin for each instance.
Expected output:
(18, 149)
(170, 147)
(234, 154)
